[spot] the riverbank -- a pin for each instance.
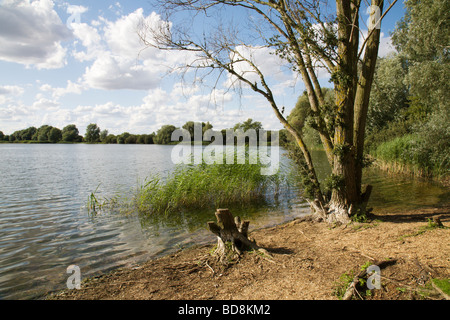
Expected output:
(397, 168)
(309, 261)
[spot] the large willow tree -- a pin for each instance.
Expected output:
(307, 35)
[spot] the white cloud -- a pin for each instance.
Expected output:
(43, 104)
(116, 72)
(62, 91)
(120, 59)
(74, 9)
(31, 34)
(90, 39)
(386, 46)
(11, 90)
(7, 93)
(157, 108)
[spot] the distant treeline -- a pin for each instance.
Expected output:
(93, 134)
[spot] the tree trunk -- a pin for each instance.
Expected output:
(232, 236)
(362, 95)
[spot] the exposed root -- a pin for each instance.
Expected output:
(331, 214)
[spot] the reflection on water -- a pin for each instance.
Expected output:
(44, 226)
(395, 193)
(391, 192)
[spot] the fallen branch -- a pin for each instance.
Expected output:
(351, 289)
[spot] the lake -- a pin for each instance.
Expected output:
(45, 225)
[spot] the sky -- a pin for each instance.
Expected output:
(81, 62)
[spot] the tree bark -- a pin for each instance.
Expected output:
(363, 94)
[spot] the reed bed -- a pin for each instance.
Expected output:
(206, 186)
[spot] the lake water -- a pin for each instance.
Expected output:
(45, 226)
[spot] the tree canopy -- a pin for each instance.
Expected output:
(92, 133)
(70, 133)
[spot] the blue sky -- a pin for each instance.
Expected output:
(80, 62)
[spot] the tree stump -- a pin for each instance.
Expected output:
(232, 236)
(437, 221)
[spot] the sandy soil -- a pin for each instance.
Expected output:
(308, 261)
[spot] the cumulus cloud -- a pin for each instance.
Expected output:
(119, 58)
(90, 39)
(59, 92)
(31, 34)
(113, 72)
(44, 104)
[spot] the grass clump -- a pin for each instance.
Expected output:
(443, 285)
(95, 204)
(431, 225)
(205, 186)
(342, 284)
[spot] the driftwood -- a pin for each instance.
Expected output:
(234, 232)
(351, 289)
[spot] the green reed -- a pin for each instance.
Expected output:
(206, 186)
(95, 203)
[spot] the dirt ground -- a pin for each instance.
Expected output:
(308, 261)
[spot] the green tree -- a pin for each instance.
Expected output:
(140, 139)
(206, 126)
(148, 138)
(110, 138)
(389, 97)
(248, 124)
(42, 133)
(55, 135)
(304, 120)
(2, 136)
(26, 134)
(103, 135)
(190, 125)
(422, 38)
(17, 135)
(121, 139)
(164, 134)
(131, 139)
(92, 133)
(70, 133)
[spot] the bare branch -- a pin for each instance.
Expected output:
(373, 29)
